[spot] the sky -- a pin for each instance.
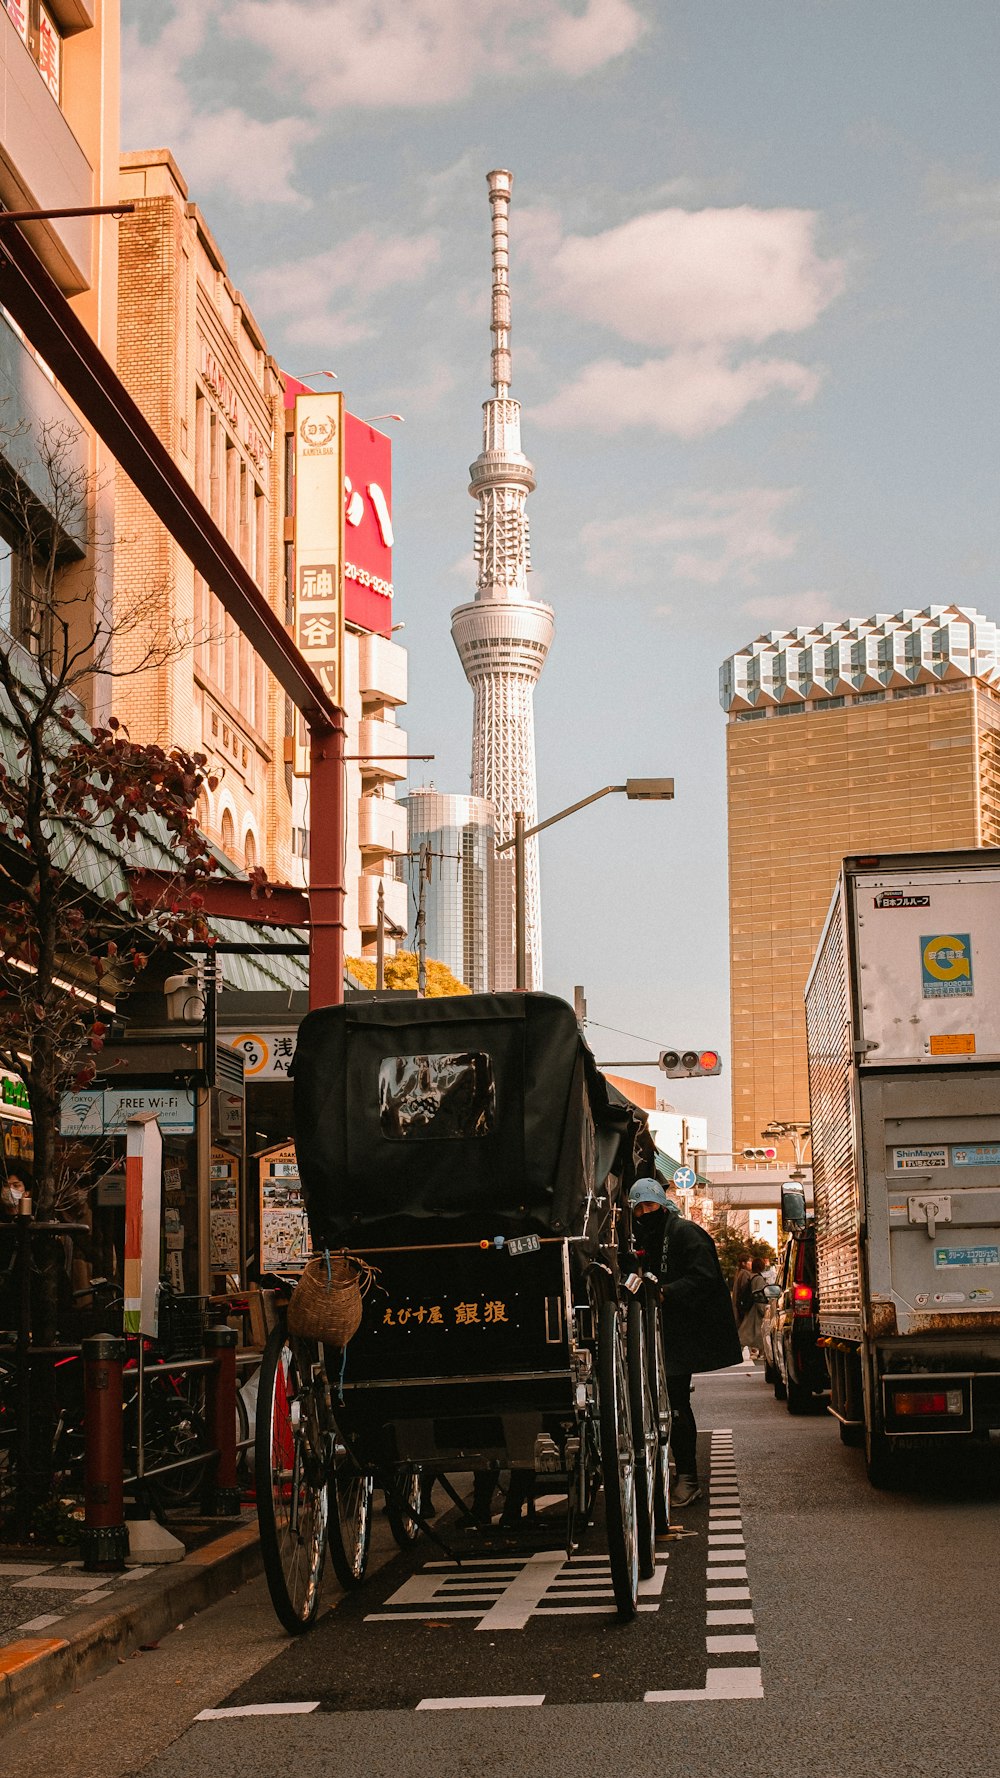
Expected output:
(754, 257)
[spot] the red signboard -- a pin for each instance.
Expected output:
(367, 527)
(367, 520)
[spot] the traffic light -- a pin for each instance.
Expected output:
(690, 1064)
(760, 1154)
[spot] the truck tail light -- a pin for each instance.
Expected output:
(802, 1299)
(927, 1401)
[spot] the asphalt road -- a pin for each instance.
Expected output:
(848, 1633)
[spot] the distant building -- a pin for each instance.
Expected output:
(194, 358)
(877, 735)
(458, 834)
(192, 354)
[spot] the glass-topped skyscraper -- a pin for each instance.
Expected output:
(458, 833)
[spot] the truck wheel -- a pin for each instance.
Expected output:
(881, 1461)
(799, 1400)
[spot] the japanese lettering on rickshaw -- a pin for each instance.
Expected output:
(481, 1314)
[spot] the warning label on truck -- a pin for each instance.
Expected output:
(919, 1159)
(967, 1256)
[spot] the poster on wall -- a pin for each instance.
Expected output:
(284, 1229)
(224, 1212)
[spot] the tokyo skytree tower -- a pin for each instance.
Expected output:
(503, 636)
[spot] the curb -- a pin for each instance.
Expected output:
(38, 1669)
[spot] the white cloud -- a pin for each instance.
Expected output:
(577, 43)
(703, 284)
(688, 393)
(782, 611)
(703, 535)
(428, 52)
(971, 205)
(214, 149)
(692, 277)
(325, 299)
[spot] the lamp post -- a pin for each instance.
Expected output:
(642, 790)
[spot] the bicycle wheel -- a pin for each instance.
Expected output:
(406, 1492)
(351, 1519)
(661, 1402)
(173, 1429)
(617, 1459)
(291, 1460)
(642, 1412)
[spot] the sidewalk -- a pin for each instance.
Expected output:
(59, 1626)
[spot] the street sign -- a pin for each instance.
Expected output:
(684, 1178)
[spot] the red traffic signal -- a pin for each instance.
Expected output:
(690, 1064)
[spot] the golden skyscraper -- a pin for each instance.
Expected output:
(879, 735)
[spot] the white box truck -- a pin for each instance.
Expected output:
(903, 1023)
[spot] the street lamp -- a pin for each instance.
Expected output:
(639, 790)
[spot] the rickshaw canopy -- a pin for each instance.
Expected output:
(452, 1118)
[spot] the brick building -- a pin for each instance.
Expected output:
(875, 736)
(193, 356)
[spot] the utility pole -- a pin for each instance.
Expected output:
(380, 938)
(580, 1006)
(423, 873)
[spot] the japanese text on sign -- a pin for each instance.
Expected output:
(481, 1314)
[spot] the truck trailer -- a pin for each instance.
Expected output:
(903, 1025)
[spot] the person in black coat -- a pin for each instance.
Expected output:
(699, 1333)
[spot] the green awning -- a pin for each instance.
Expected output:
(668, 1166)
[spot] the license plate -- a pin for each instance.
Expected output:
(523, 1244)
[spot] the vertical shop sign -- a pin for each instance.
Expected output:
(319, 546)
(143, 1176)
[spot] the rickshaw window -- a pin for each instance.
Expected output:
(436, 1097)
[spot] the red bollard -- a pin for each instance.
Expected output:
(104, 1544)
(221, 1498)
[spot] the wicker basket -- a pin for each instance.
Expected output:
(326, 1301)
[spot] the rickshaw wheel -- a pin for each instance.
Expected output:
(617, 1460)
(661, 1403)
(408, 1491)
(351, 1518)
(642, 1411)
(290, 1464)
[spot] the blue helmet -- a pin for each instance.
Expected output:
(648, 1191)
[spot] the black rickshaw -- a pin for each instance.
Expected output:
(470, 1151)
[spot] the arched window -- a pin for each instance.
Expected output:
(250, 850)
(228, 833)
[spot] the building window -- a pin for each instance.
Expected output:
(228, 833)
(250, 851)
